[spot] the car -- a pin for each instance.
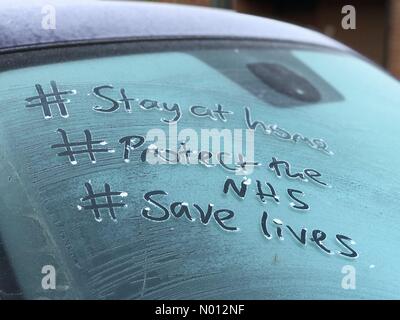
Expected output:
(160, 151)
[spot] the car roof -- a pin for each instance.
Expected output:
(91, 21)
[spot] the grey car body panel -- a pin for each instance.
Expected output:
(93, 21)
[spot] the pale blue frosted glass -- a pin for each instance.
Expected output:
(138, 258)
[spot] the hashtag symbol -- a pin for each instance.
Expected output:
(87, 146)
(45, 102)
(108, 204)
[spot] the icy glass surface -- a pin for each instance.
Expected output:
(347, 131)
